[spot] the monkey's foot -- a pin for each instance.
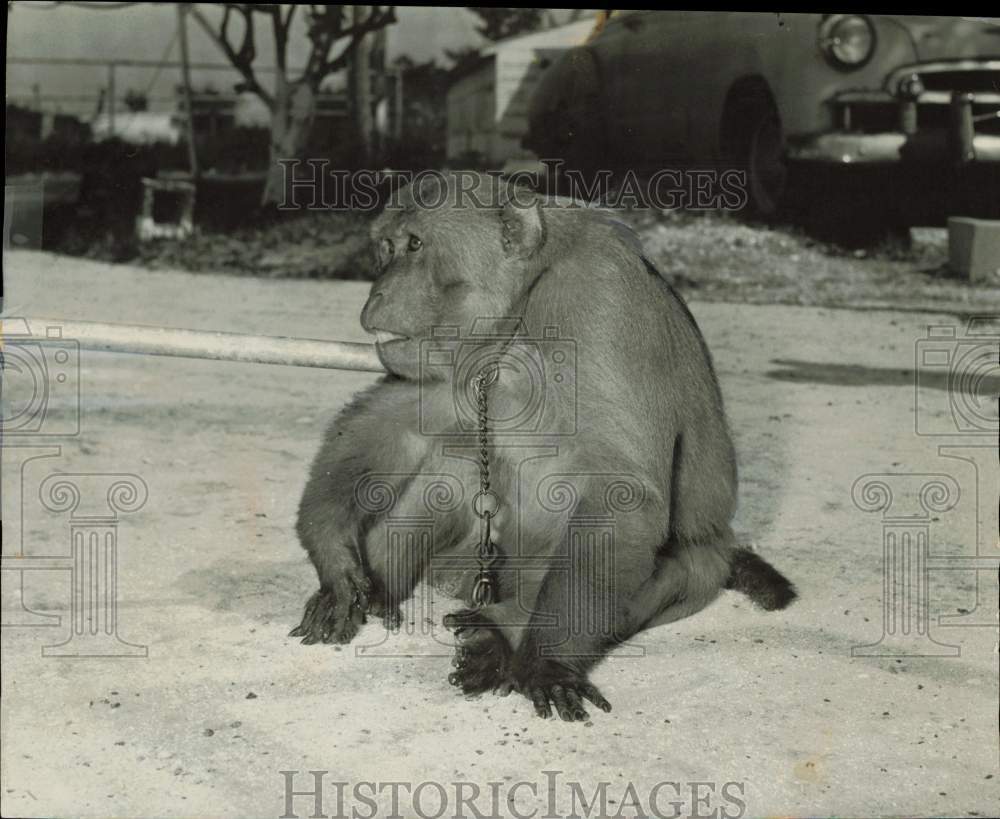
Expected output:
(550, 684)
(482, 656)
(334, 614)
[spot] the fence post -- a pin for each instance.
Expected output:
(182, 10)
(111, 99)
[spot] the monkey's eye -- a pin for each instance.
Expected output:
(414, 244)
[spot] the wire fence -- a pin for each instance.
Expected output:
(115, 88)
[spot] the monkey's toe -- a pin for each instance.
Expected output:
(553, 686)
(566, 699)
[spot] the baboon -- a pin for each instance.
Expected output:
(634, 423)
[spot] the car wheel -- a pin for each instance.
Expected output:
(767, 170)
(756, 141)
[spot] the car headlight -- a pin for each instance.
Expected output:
(847, 40)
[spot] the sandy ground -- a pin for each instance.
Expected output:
(738, 711)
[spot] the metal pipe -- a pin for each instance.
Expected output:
(170, 341)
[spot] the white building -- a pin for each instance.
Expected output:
(488, 109)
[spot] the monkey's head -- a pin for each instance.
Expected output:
(454, 248)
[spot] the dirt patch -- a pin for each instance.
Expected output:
(321, 245)
(719, 258)
(710, 257)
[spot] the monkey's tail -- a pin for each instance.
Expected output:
(759, 580)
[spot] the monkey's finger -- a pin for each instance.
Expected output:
(361, 601)
(308, 616)
(359, 580)
(541, 701)
(590, 691)
(573, 698)
(471, 683)
(361, 598)
(558, 694)
(358, 617)
(345, 628)
(392, 619)
(327, 624)
(337, 626)
(452, 622)
(311, 628)
(459, 621)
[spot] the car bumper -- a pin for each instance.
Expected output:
(861, 149)
(957, 127)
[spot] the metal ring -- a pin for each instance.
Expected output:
(482, 497)
(482, 591)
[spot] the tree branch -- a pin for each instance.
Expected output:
(376, 20)
(280, 37)
(326, 27)
(242, 59)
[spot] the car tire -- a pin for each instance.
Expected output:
(758, 141)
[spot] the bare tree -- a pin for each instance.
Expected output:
(292, 101)
(499, 23)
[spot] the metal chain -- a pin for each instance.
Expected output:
(485, 504)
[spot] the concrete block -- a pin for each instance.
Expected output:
(974, 248)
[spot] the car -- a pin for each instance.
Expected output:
(778, 93)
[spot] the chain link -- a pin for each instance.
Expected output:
(485, 504)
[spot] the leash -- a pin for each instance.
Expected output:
(485, 504)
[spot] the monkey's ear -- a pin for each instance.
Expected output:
(523, 228)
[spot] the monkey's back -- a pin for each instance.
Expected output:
(646, 393)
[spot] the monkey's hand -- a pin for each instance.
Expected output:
(335, 613)
(482, 654)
